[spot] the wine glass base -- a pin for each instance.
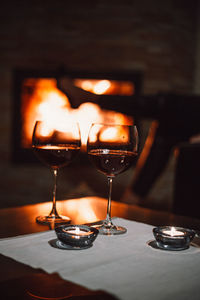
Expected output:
(53, 220)
(111, 230)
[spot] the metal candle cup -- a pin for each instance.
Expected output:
(76, 236)
(173, 238)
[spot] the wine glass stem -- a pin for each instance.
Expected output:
(54, 211)
(108, 220)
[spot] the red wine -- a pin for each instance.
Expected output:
(112, 162)
(56, 156)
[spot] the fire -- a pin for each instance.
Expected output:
(101, 87)
(110, 87)
(48, 103)
(115, 134)
(109, 134)
(98, 87)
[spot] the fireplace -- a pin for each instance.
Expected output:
(38, 95)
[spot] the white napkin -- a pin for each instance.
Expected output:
(123, 265)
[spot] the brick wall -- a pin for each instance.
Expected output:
(155, 37)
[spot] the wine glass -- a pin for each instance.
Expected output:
(56, 144)
(112, 149)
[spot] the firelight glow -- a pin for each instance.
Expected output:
(98, 87)
(114, 134)
(109, 134)
(83, 212)
(104, 86)
(101, 87)
(49, 103)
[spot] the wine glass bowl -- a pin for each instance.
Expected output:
(55, 145)
(112, 149)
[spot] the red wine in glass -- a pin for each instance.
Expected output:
(112, 149)
(56, 156)
(55, 145)
(112, 162)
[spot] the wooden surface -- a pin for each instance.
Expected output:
(21, 220)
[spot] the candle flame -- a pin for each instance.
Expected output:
(77, 230)
(173, 231)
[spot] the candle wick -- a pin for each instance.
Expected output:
(77, 231)
(173, 231)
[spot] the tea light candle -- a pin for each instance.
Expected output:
(173, 238)
(76, 236)
(173, 232)
(77, 232)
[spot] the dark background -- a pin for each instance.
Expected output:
(157, 38)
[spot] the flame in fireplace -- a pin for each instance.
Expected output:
(42, 100)
(98, 87)
(112, 134)
(110, 87)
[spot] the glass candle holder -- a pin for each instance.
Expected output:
(173, 238)
(75, 236)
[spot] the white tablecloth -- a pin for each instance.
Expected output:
(124, 265)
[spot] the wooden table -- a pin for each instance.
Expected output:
(16, 278)
(21, 220)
